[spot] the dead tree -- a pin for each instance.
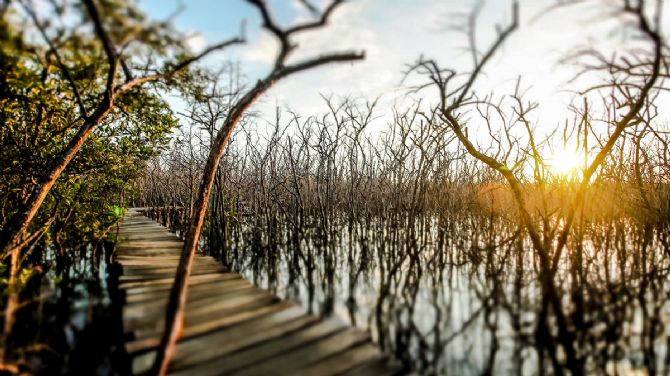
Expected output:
(281, 69)
(457, 97)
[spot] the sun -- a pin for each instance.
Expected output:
(565, 163)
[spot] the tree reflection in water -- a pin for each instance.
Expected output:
(406, 236)
(465, 298)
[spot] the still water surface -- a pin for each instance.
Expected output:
(460, 296)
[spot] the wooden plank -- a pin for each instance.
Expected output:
(289, 362)
(383, 366)
(204, 289)
(146, 247)
(243, 359)
(130, 236)
(161, 273)
(141, 261)
(193, 282)
(168, 281)
(139, 346)
(139, 265)
(145, 325)
(343, 361)
(142, 245)
(243, 335)
(143, 311)
(218, 343)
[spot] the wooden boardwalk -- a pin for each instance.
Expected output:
(232, 327)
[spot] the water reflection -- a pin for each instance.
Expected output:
(461, 293)
(68, 322)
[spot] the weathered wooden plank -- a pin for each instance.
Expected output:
(130, 236)
(244, 335)
(344, 361)
(195, 291)
(289, 362)
(218, 343)
(199, 313)
(141, 261)
(151, 249)
(160, 273)
(141, 225)
(146, 246)
(193, 282)
(147, 263)
(139, 346)
(143, 311)
(122, 257)
(168, 281)
(383, 366)
(246, 358)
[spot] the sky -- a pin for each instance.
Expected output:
(393, 34)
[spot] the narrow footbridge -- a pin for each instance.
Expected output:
(232, 327)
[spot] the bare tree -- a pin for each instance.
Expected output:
(634, 82)
(281, 69)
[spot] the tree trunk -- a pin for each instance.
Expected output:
(174, 315)
(17, 226)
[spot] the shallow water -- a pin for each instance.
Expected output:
(69, 323)
(462, 296)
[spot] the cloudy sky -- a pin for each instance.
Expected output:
(394, 33)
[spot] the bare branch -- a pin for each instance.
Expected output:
(284, 35)
(107, 45)
(318, 61)
(177, 68)
(487, 56)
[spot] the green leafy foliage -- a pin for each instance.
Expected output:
(40, 113)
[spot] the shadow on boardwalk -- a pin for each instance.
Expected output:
(232, 326)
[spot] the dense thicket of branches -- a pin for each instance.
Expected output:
(329, 166)
(321, 209)
(456, 180)
(306, 184)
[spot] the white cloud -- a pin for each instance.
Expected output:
(262, 49)
(195, 42)
(394, 33)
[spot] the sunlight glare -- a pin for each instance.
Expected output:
(565, 163)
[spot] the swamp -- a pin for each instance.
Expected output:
(358, 187)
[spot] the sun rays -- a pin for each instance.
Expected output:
(565, 163)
